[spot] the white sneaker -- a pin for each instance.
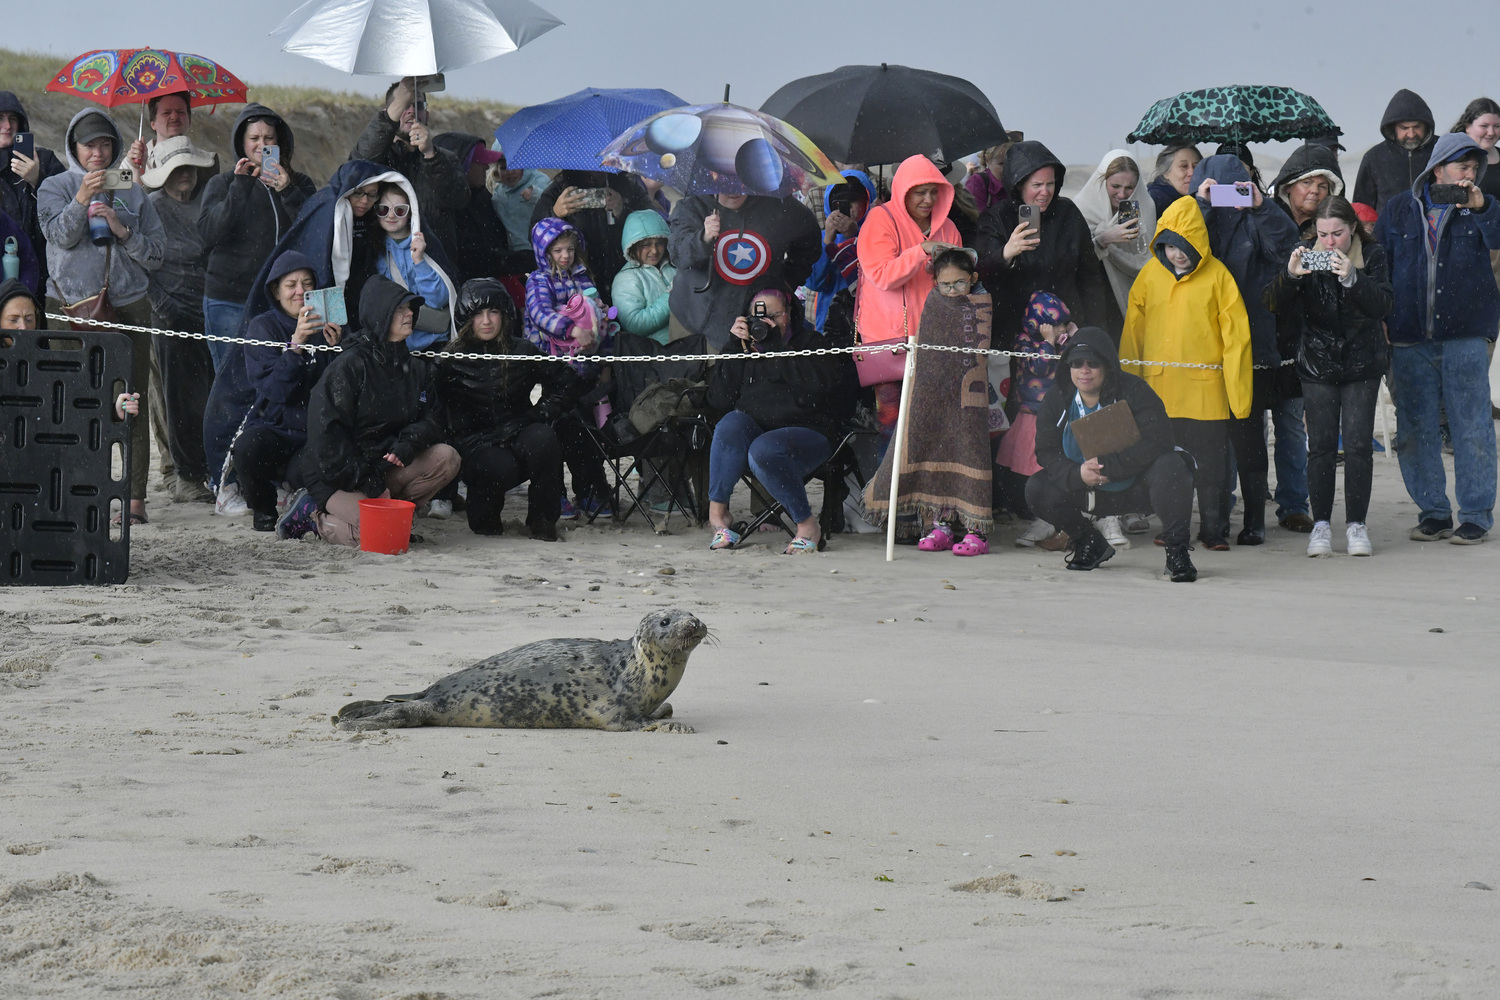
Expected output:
(1359, 539)
(229, 502)
(1038, 532)
(1320, 542)
(1136, 524)
(283, 497)
(440, 509)
(1113, 533)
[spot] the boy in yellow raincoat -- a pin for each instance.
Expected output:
(1185, 308)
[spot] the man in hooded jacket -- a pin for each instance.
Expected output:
(1393, 166)
(838, 265)
(1254, 243)
(20, 179)
(1150, 475)
(1446, 308)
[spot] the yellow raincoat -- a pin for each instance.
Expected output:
(1199, 319)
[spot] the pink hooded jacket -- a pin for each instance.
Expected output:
(893, 278)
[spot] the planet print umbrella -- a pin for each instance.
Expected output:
(720, 149)
(1234, 114)
(566, 134)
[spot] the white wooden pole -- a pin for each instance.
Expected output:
(896, 443)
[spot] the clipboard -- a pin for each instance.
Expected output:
(1107, 430)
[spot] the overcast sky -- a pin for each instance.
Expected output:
(1077, 75)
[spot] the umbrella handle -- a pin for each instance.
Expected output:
(140, 129)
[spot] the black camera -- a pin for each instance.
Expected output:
(761, 329)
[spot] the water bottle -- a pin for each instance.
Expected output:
(12, 259)
(99, 230)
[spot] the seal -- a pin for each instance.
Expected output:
(618, 685)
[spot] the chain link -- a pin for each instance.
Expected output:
(811, 352)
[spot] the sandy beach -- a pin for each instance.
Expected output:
(936, 778)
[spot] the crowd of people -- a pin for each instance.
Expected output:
(1156, 325)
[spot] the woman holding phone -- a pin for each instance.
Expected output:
(1035, 240)
(1122, 223)
(1337, 301)
(245, 212)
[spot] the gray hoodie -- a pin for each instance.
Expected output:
(76, 265)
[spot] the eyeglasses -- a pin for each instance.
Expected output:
(946, 287)
(399, 211)
(363, 195)
(1092, 364)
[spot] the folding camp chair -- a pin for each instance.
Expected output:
(834, 474)
(675, 455)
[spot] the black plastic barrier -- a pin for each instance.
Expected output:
(64, 458)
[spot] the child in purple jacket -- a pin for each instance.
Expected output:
(559, 292)
(565, 318)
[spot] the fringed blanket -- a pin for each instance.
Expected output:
(945, 458)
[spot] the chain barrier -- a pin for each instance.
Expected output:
(625, 359)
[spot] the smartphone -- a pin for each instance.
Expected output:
(1130, 211)
(119, 180)
(1317, 260)
(593, 197)
(1029, 215)
(25, 144)
(1443, 194)
(435, 83)
(270, 160)
(328, 303)
(1236, 195)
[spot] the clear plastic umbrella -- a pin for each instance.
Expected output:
(410, 37)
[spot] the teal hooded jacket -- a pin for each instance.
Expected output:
(640, 293)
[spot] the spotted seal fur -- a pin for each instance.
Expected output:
(617, 685)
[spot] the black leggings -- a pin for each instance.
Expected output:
(187, 375)
(491, 470)
(1330, 409)
(584, 464)
(261, 457)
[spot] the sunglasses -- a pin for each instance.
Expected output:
(1090, 363)
(399, 211)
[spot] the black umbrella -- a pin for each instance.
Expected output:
(883, 114)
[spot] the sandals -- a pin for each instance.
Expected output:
(724, 538)
(802, 546)
(939, 539)
(972, 545)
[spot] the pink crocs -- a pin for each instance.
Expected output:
(972, 545)
(939, 539)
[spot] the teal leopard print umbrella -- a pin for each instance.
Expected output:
(1234, 114)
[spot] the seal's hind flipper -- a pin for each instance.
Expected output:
(360, 715)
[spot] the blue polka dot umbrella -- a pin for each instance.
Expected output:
(721, 149)
(567, 134)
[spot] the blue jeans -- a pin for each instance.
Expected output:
(779, 459)
(1427, 379)
(222, 319)
(1291, 458)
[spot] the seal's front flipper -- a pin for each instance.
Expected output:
(665, 712)
(365, 715)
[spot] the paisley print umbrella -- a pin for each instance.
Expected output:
(1234, 114)
(112, 77)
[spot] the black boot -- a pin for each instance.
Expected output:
(542, 529)
(1254, 532)
(265, 520)
(1180, 565)
(1089, 550)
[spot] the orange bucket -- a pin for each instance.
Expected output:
(385, 526)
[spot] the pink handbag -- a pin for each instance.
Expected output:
(877, 367)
